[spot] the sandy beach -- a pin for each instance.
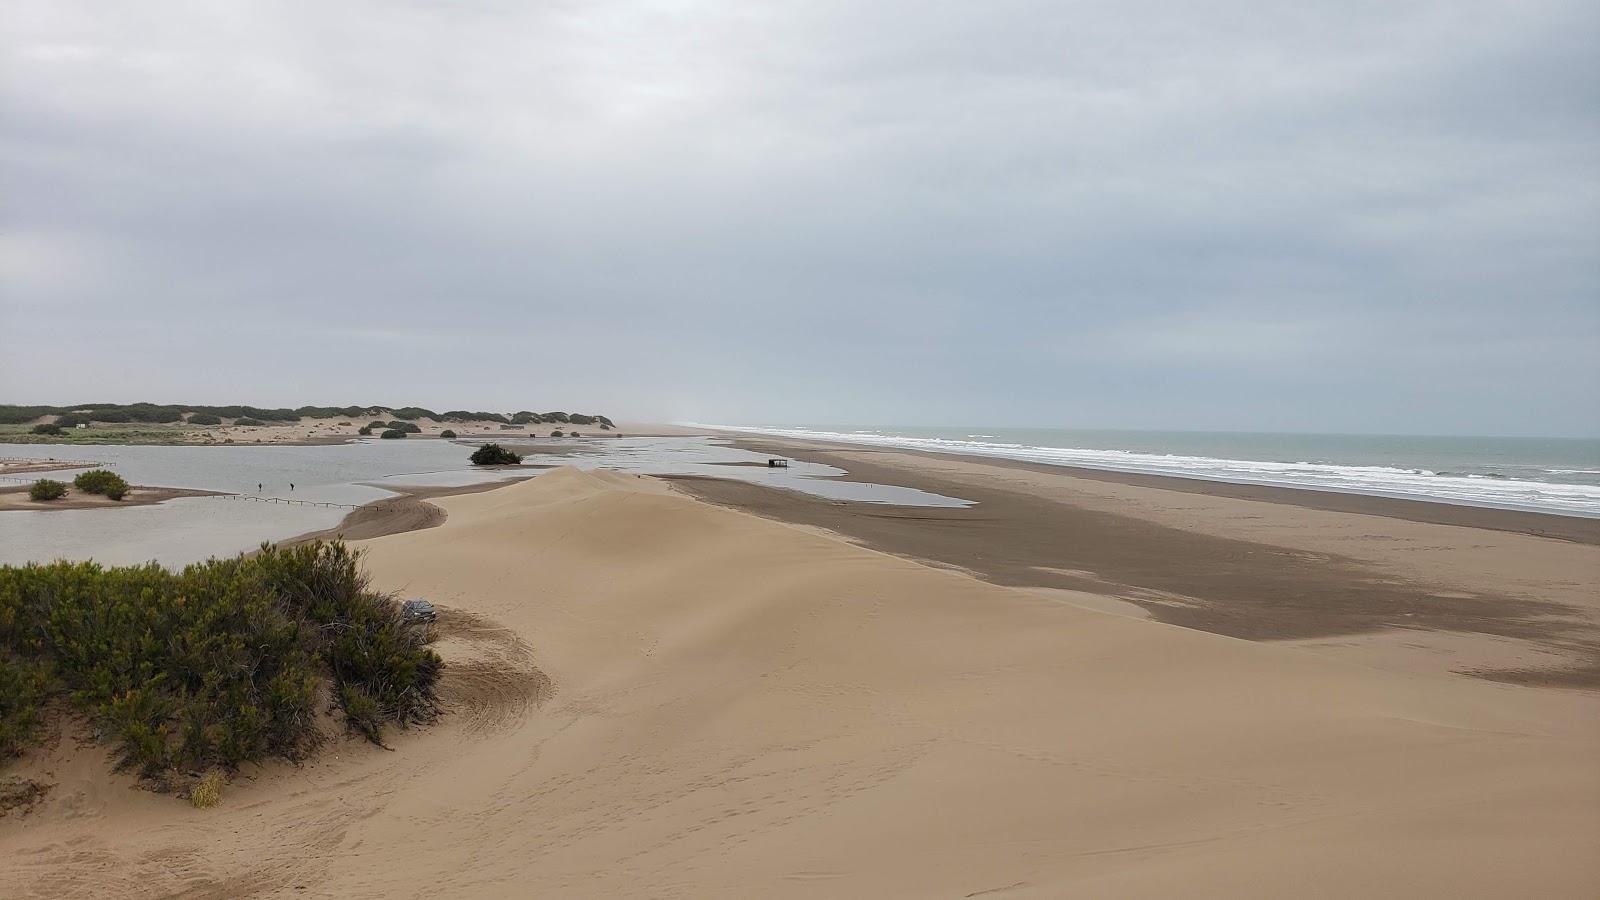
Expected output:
(1398, 583)
(653, 695)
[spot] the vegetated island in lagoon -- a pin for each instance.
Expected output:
(157, 423)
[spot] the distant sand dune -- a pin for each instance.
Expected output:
(656, 697)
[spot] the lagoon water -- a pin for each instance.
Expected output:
(192, 528)
(1550, 475)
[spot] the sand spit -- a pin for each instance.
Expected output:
(15, 497)
(15, 465)
(665, 698)
(410, 511)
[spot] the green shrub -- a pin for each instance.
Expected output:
(214, 666)
(558, 433)
(101, 481)
(447, 433)
(71, 420)
(407, 427)
(365, 430)
(377, 423)
(23, 687)
(47, 489)
(204, 419)
(47, 428)
(246, 420)
(494, 455)
(393, 433)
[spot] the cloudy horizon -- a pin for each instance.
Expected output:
(1363, 217)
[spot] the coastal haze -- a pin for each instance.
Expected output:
(1218, 512)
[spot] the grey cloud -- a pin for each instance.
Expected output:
(1369, 216)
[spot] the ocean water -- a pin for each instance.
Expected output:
(1551, 475)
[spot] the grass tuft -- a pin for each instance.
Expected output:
(207, 792)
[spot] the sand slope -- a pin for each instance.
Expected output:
(739, 708)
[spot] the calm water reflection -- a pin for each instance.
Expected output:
(193, 528)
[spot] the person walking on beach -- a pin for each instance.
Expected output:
(258, 487)
(291, 485)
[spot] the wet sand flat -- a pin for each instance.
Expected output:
(1258, 564)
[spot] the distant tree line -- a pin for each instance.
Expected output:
(167, 414)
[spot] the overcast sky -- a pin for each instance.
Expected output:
(1343, 216)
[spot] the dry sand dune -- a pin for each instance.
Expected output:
(657, 697)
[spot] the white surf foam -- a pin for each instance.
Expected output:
(1386, 481)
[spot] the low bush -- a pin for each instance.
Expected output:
(393, 433)
(47, 489)
(558, 433)
(246, 420)
(47, 428)
(365, 430)
(494, 455)
(407, 427)
(204, 419)
(24, 685)
(377, 423)
(101, 481)
(447, 433)
(217, 665)
(71, 420)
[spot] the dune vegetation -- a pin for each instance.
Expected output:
(495, 455)
(224, 663)
(47, 489)
(101, 481)
(156, 423)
